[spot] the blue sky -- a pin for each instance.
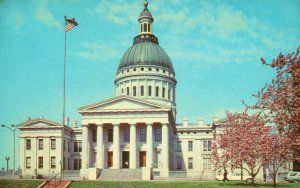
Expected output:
(215, 47)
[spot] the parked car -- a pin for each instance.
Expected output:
(293, 176)
(234, 177)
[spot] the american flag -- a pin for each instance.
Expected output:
(70, 23)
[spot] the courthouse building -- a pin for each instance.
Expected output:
(134, 130)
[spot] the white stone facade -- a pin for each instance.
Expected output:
(135, 129)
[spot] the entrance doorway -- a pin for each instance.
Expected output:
(142, 159)
(109, 159)
(125, 159)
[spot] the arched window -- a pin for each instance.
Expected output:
(142, 90)
(163, 92)
(127, 90)
(169, 93)
(145, 27)
(149, 28)
(149, 90)
(141, 27)
(134, 90)
(157, 91)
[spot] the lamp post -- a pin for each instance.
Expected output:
(13, 129)
(7, 159)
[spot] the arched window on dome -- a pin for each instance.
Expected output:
(149, 28)
(134, 90)
(127, 92)
(157, 91)
(145, 27)
(142, 90)
(141, 28)
(149, 90)
(169, 94)
(163, 92)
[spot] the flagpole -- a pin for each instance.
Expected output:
(64, 102)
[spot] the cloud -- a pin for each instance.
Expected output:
(43, 15)
(120, 12)
(99, 51)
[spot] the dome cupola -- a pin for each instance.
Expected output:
(145, 70)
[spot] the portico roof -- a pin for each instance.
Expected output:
(123, 103)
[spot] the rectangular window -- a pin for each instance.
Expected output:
(75, 164)
(28, 144)
(68, 167)
(53, 144)
(206, 163)
(163, 92)
(41, 144)
(28, 162)
(78, 146)
(126, 134)
(179, 163)
(53, 162)
(156, 91)
(206, 145)
(143, 134)
(149, 91)
(41, 162)
(190, 160)
(178, 145)
(190, 145)
(110, 135)
(68, 146)
(64, 145)
(158, 134)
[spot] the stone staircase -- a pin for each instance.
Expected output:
(56, 184)
(121, 174)
(72, 175)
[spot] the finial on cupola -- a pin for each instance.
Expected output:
(145, 4)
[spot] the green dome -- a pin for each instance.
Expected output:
(146, 52)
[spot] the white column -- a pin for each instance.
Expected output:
(85, 152)
(132, 156)
(149, 159)
(165, 147)
(100, 156)
(116, 147)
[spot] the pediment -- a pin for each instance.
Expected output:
(39, 123)
(122, 103)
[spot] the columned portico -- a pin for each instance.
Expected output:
(116, 147)
(165, 146)
(100, 152)
(132, 162)
(85, 142)
(149, 159)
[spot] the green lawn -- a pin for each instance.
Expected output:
(133, 184)
(19, 183)
(163, 184)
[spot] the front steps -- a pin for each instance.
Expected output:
(53, 184)
(121, 174)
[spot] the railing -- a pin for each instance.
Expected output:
(9, 174)
(55, 179)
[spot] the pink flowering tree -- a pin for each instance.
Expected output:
(280, 99)
(278, 149)
(242, 141)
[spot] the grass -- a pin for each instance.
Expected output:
(19, 183)
(161, 184)
(143, 184)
